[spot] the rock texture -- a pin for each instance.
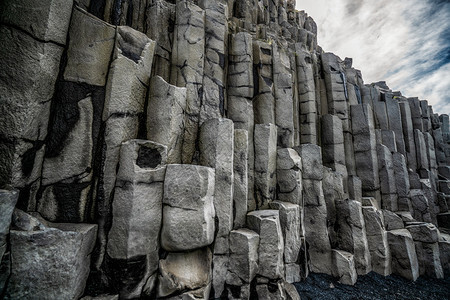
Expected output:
(199, 149)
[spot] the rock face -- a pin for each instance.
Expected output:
(199, 149)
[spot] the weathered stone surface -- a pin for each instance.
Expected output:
(344, 267)
(428, 256)
(311, 160)
(420, 206)
(265, 140)
(401, 175)
(404, 257)
(380, 253)
(264, 101)
(137, 213)
(216, 145)
(424, 232)
(216, 42)
(8, 200)
(101, 297)
(184, 271)
(291, 227)
(187, 68)
(271, 245)
(165, 113)
(355, 188)
(87, 63)
(240, 184)
(351, 235)
(289, 176)
(188, 210)
(392, 221)
(45, 20)
(421, 151)
(243, 263)
(408, 134)
(44, 276)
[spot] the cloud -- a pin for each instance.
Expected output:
(404, 42)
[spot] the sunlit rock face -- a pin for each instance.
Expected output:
(205, 149)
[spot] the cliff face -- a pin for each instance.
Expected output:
(205, 149)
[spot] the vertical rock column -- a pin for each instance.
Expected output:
(33, 37)
(377, 240)
(265, 140)
(188, 57)
(264, 101)
(364, 142)
(216, 145)
(333, 150)
(133, 241)
(187, 229)
(284, 105)
(408, 134)
(289, 176)
(388, 187)
(216, 46)
(240, 94)
(165, 117)
(307, 96)
(161, 14)
(240, 184)
(315, 210)
(73, 141)
(124, 110)
(351, 235)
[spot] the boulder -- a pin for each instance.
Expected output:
(404, 257)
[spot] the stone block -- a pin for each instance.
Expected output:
(61, 260)
(188, 209)
(404, 257)
(8, 200)
(243, 256)
(424, 232)
(265, 141)
(85, 63)
(355, 188)
(428, 256)
(311, 160)
(184, 271)
(271, 245)
(291, 227)
(216, 145)
(344, 267)
(165, 113)
(240, 184)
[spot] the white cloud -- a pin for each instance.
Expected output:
(397, 41)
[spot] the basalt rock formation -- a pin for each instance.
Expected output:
(197, 149)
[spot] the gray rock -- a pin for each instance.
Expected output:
(87, 63)
(265, 141)
(289, 176)
(404, 257)
(408, 134)
(60, 265)
(45, 20)
(137, 210)
(271, 245)
(243, 263)
(377, 240)
(291, 227)
(216, 147)
(264, 101)
(101, 297)
(8, 200)
(420, 206)
(351, 235)
(240, 184)
(428, 256)
(216, 42)
(165, 113)
(344, 267)
(187, 68)
(312, 161)
(392, 221)
(424, 232)
(75, 160)
(401, 175)
(184, 271)
(355, 188)
(188, 210)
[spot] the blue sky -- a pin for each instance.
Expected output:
(404, 42)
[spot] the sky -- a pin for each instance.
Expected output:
(403, 42)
